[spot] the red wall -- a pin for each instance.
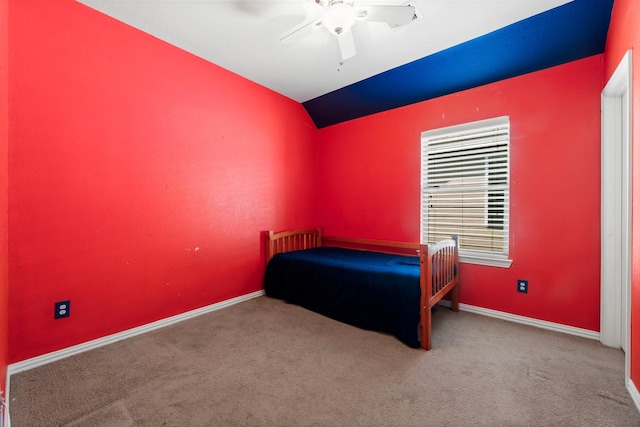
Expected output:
(624, 34)
(141, 177)
(140, 182)
(4, 143)
(370, 186)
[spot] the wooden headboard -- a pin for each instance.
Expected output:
(292, 240)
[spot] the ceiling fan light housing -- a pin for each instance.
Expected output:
(339, 18)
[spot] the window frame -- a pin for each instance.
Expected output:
(482, 257)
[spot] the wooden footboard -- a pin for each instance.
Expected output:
(439, 269)
(439, 275)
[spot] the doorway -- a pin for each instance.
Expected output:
(616, 211)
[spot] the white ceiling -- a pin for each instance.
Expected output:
(243, 36)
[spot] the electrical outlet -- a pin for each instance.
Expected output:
(523, 286)
(62, 309)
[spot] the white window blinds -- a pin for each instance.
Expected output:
(465, 187)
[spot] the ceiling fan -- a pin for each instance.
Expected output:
(339, 17)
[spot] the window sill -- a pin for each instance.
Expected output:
(484, 260)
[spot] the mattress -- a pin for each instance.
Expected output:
(370, 290)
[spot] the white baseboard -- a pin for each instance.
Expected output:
(635, 396)
(557, 327)
(34, 362)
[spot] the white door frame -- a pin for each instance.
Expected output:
(616, 210)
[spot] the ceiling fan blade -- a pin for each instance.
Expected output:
(314, 11)
(347, 45)
(301, 31)
(394, 16)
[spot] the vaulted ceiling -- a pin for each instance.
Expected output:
(450, 45)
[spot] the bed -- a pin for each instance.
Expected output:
(385, 286)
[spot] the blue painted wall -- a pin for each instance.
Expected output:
(567, 33)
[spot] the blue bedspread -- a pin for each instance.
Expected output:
(370, 290)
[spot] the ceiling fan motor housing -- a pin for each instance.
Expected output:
(339, 17)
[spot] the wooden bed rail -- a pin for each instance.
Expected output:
(390, 246)
(294, 240)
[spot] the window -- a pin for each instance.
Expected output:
(465, 189)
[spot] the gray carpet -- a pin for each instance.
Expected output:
(266, 363)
